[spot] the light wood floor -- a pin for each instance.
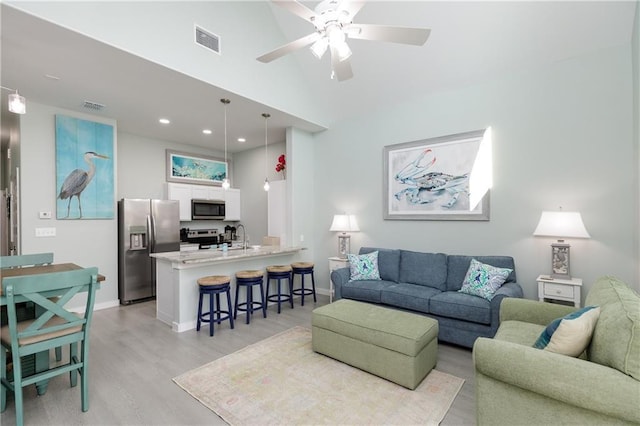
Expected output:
(134, 357)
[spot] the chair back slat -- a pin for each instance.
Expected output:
(35, 259)
(54, 317)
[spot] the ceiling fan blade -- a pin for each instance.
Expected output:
(297, 9)
(341, 69)
(352, 7)
(415, 36)
(289, 47)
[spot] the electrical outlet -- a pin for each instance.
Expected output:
(45, 232)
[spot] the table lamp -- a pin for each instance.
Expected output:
(561, 225)
(344, 223)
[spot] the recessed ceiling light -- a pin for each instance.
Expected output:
(164, 121)
(206, 131)
(52, 77)
(242, 140)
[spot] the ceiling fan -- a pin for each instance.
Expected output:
(333, 20)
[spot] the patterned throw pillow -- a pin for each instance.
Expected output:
(364, 266)
(571, 334)
(483, 280)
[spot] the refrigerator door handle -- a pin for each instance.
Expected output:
(152, 233)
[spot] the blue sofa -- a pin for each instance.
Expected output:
(428, 284)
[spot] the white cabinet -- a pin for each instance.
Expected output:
(335, 263)
(559, 289)
(184, 193)
(232, 204)
(200, 192)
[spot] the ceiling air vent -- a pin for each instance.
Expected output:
(207, 39)
(93, 106)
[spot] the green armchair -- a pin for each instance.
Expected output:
(519, 384)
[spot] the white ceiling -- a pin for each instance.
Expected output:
(470, 42)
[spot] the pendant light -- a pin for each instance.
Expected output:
(266, 179)
(225, 182)
(17, 103)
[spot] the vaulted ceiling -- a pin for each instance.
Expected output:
(470, 42)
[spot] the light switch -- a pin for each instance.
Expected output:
(45, 232)
(45, 215)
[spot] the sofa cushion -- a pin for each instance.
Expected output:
(462, 306)
(429, 269)
(483, 280)
(408, 296)
(458, 265)
(616, 338)
(365, 290)
(571, 334)
(388, 262)
(364, 266)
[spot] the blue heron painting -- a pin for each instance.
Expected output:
(84, 169)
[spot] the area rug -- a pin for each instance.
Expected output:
(280, 380)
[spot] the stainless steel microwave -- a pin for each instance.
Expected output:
(207, 209)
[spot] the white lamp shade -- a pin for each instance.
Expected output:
(17, 103)
(561, 224)
(344, 223)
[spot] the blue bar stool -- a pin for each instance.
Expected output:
(249, 279)
(302, 269)
(280, 272)
(214, 285)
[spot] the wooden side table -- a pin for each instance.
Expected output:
(335, 263)
(559, 289)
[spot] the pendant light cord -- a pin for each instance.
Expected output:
(266, 178)
(225, 182)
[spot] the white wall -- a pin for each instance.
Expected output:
(249, 175)
(635, 53)
(168, 39)
(142, 165)
(562, 136)
(84, 242)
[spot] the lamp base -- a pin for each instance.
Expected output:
(560, 260)
(344, 245)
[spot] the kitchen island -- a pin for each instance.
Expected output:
(177, 274)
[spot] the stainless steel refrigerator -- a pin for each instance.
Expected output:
(144, 227)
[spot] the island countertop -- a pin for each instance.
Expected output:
(189, 259)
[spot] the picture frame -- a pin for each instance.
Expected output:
(429, 179)
(183, 167)
(85, 183)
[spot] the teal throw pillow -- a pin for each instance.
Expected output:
(364, 266)
(571, 334)
(483, 280)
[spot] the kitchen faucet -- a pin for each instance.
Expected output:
(244, 235)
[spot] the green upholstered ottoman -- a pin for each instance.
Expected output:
(395, 345)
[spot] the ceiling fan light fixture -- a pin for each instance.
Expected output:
(343, 51)
(335, 35)
(320, 47)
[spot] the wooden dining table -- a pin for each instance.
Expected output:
(41, 361)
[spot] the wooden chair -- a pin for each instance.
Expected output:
(35, 259)
(55, 326)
